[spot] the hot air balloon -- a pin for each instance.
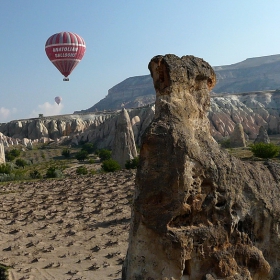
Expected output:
(65, 50)
(58, 99)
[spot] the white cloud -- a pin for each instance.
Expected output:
(6, 114)
(47, 109)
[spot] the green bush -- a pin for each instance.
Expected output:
(5, 168)
(82, 155)
(110, 165)
(12, 154)
(81, 170)
(53, 172)
(8, 177)
(66, 153)
(15, 152)
(9, 157)
(264, 150)
(132, 164)
(225, 143)
(3, 272)
(104, 154)
(89, 148)
(91, 161)
(35, 174)
(21, 162)
(92, 171)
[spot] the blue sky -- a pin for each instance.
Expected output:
(121, 38)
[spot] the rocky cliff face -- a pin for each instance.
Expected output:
(252, 110)
(52, 127)
(253, 74)
(131, 93)
(198, 213)
(258, 73)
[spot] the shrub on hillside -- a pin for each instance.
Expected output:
(265, 150)
(132, 164)
(15, 152)
(104, 154)
(21, 162)
(53, 172)
(66, 153)
(35, 174)
(82, 155)
(110, 165)
(225, 143)
(91, 161)
(12, 154)
(5, 168)
(81, 170)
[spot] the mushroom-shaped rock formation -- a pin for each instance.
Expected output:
(198, 213)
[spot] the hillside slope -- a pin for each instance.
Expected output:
(252, 74)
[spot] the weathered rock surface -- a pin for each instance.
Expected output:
(262, 136)
(2, 153)
(124, 148)
(237, 138)
(252, 110)
(103, 135)
(198, 213)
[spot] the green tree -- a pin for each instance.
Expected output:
(89, 148)
(265, 150)
(66, 153)
(110, 165)
(82, 155)
(104, 154)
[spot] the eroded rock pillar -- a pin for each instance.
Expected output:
(198, 213)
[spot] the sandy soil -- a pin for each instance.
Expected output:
(73, 228)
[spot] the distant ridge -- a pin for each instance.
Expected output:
(252, 74)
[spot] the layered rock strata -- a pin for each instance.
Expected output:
(198, 213)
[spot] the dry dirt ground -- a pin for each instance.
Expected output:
(73, 228)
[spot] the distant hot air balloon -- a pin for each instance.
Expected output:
(65, 50)
(58, 99)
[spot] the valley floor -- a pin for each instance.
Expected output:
(73, 228)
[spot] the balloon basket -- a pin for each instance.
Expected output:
(66, 79)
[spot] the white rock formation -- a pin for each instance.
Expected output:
(2, 153)
(123, 145)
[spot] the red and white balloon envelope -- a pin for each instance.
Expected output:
(65, 50)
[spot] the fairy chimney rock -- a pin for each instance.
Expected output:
(2, 153)
(198, 212)
(262, 136)
(237, 138)
(123, 147)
